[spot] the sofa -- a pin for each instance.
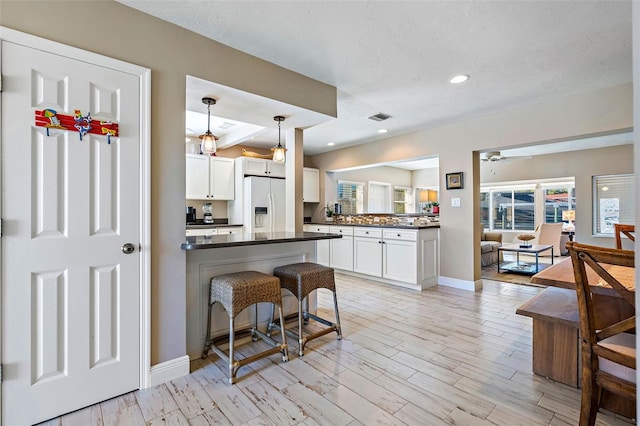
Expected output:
(489, 243)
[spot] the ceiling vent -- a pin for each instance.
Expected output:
(226, 125)
(380, 117)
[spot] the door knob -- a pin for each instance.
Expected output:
(128, 248)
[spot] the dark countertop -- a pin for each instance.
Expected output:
(387, 225)
(209, 225)
(236, 240)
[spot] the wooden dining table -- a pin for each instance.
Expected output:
(611, 307)
(561, 275)
(556, 331)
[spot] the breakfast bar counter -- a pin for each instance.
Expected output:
(259, 238)
(208, 256)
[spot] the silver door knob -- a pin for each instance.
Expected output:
(128, 248)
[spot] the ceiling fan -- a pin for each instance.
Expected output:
(497, 156)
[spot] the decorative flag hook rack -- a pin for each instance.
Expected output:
(82, 124)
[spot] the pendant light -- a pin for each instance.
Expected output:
(208, 144)
(279, 151)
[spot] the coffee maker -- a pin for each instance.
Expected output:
(191, 215)
(207, 209)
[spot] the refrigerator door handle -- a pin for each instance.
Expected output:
(271, 205)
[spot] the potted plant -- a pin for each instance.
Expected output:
(328, 213)
(435, 207)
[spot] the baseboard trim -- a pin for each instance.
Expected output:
(461, 284)
(169, 370)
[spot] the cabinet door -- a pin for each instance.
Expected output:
(275, 169)
(197, 170)
(367, 256)
(255, 166)
(400, 260)
(310, 185)
(221, 178)
(342, 253)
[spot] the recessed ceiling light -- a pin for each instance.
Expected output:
(460, 78)
(331, 143)
(383, 131)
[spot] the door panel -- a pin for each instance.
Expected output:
(71, 297)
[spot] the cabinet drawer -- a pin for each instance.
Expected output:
(391, 234)
(316, 228)
(342, 230)
(368, 232)
(201, 232)
(234, 230)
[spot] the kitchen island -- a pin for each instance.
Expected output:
(208, 256)
(401, 254)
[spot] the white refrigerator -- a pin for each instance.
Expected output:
(264, 201)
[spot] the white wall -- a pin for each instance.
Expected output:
(426, 178)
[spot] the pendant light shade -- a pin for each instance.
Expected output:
(208, 144)
(279, 151)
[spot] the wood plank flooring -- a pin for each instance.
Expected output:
(440, 357)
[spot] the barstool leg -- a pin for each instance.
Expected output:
(335, 306)
(300, 337)
(207, 340)
(285, 352)
(271, 324)
(232, 360)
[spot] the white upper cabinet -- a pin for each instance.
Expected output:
(262, 167)
(310, 185)
(209, 178)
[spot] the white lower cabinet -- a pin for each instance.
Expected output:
(403, 257)
(367, 251)
(400, 260)
(341, 251)
(323, 247)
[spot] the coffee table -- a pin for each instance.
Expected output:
(525, 268)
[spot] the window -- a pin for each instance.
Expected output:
(613, 202)
(350, 196)
(402, 200)
(558, 198)
(508, 209)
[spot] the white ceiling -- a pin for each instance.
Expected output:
(396, 57)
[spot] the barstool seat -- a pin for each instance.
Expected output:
(301, 279)
(236, 292)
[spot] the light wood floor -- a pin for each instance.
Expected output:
(443, 356)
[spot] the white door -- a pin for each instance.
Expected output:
(70, 296)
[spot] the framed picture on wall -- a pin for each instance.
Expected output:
(455, 180)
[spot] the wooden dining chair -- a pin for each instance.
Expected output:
(609, 354)
(628, 230)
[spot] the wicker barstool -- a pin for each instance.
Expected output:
(301, 279)
(236, 292)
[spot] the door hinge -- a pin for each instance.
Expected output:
(0, 232)
(0, 82)
(0, 373)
